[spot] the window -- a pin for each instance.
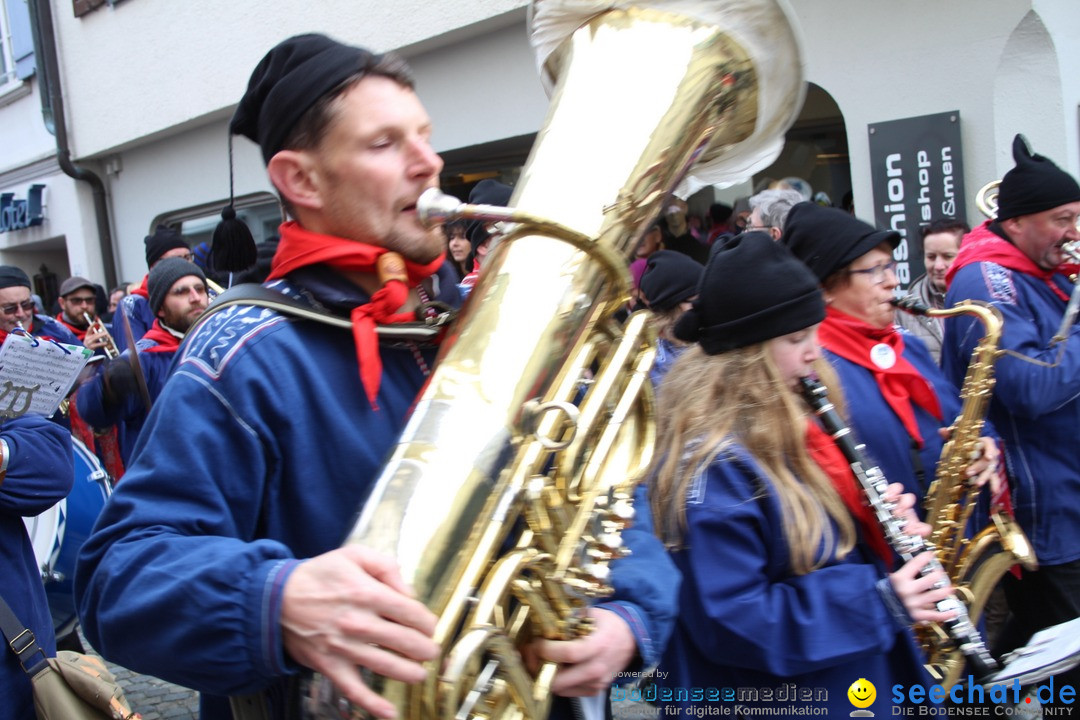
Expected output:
(16, 43)
(261, 212)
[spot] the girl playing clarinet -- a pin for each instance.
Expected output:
(786, 600)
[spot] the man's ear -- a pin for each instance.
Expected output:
(293, 174)
(1010, 226)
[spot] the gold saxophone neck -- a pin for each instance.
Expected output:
(987, 314)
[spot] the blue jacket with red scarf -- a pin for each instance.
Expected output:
(128, 415)
(256, 455)
(1036, 400)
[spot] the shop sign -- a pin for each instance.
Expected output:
(916, 166)
(16, 214)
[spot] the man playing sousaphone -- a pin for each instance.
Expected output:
(1016, 262)
(222, 544)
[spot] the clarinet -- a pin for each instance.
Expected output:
(960, 629)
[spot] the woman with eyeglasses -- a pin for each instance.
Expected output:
(899, 400)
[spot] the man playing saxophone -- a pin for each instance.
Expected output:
(223, 541)
(1016, 262)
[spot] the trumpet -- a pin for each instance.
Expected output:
(95, 325)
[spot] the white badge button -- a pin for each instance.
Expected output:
(883, 356)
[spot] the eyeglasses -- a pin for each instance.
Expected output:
(758, 228)
(73, 300)
(877, 272)
(26, 305)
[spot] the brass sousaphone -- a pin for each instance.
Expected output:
(505, 496)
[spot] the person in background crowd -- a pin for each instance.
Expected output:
(115, 296)
(78, 296)
(113, 397)
(719, 222)
(903, 399)
(77, 302)
(458, 247)
(223, 543)
(769, 210)
(651, 242)
(781, 585)
(17, 309)
(481, 234)
(162, 243)
(36, 472)
(740, 215)
(941, 243)
(676, 235)
(668, 286)
(1018, 264)
(696, 227)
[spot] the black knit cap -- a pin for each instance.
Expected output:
(753, 290)
(670, 278)
(162, 241)
(828, 239)
(165, 274)
(486, 192)
(292, 77)
(11, 276)
(1034, 185)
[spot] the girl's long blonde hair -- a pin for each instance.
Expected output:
(706, 401)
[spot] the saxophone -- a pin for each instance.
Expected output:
(960, 632)
(505, 496)
(974, 564)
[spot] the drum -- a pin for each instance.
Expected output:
(59, 532)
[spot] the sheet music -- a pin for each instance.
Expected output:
(36, 374)
(1048, 652)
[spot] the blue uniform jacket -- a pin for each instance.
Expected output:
(888, 444)
(747, 624)
(48, 327)
(232, 481)
(1036, 402)
(139, 315)
(39, 475)
(129, 415)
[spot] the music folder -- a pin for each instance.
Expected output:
(1049, 652)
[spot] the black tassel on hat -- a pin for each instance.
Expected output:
(1034, 185)
(233, 247)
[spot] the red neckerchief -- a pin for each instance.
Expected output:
(166, 341)
(984, 245)
(300, 248)
(144, 288)
(831, 460)
(77, 332)
(901, 385)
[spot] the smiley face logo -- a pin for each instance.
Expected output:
(862, 693)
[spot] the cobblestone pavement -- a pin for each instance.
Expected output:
(152, 698)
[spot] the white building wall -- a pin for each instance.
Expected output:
(27, 157)
(150, 66)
